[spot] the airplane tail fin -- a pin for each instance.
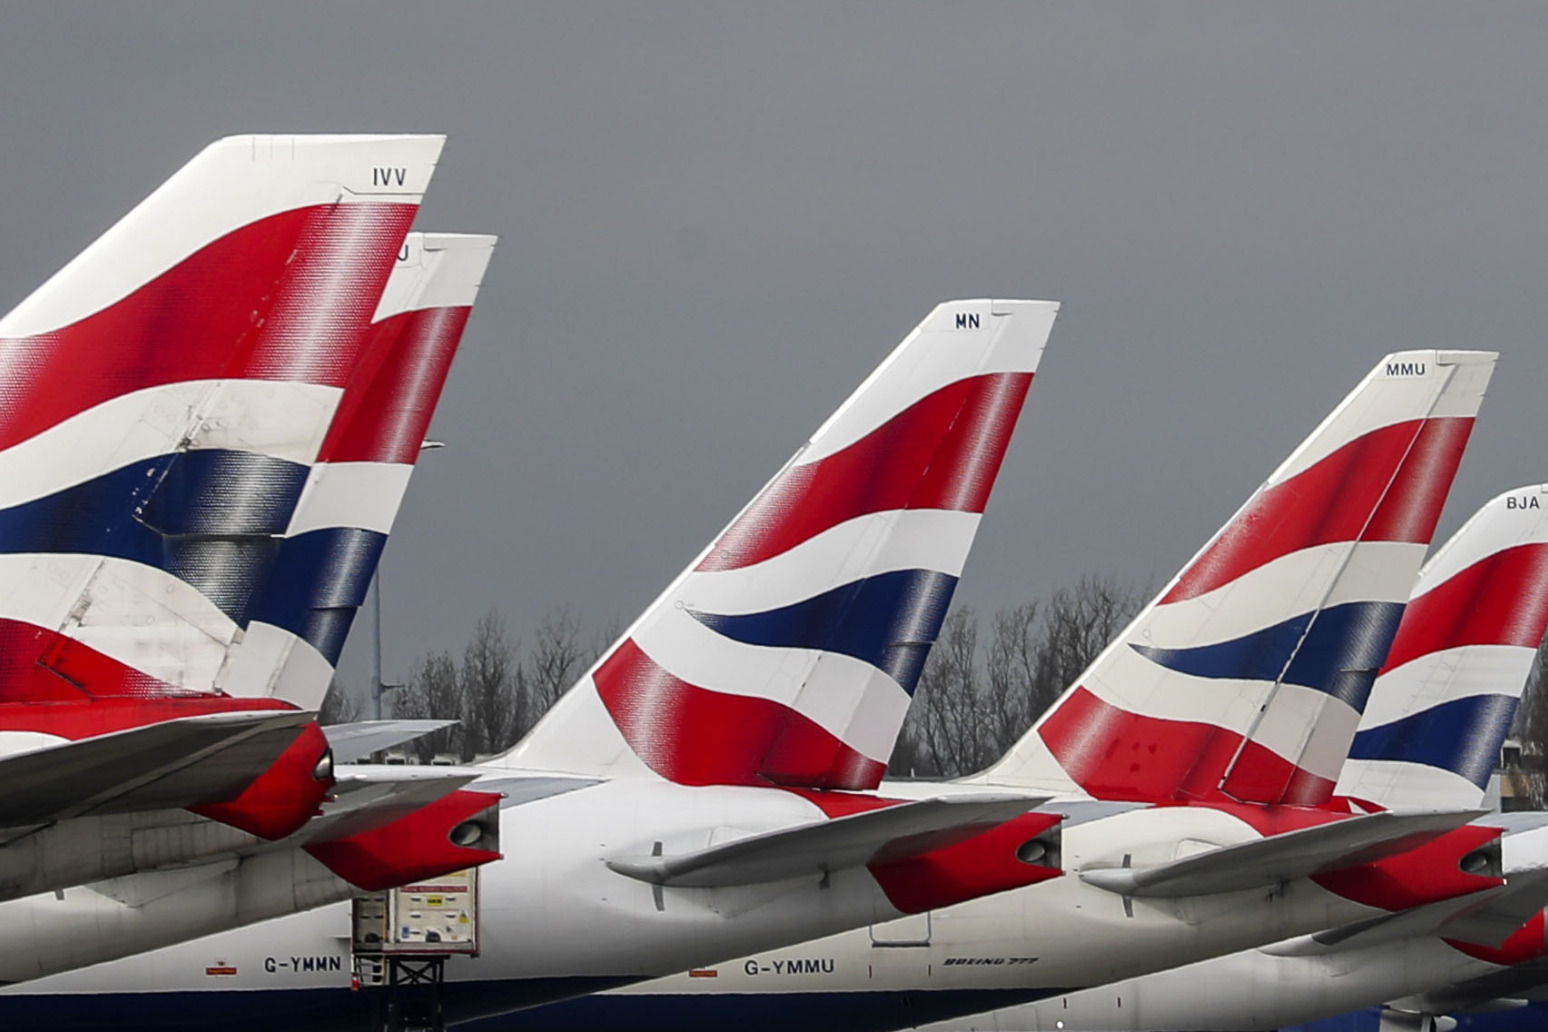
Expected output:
(165, 395)
(303, 611)
(788, 650)
(1444, 701)
(1247, 674)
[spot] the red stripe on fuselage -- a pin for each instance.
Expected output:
(388, 403)
(283, 298)
(1500, 600)
(942, 452)
(1342, 497)
(843, 804)
(1307, 789)
(695, 736)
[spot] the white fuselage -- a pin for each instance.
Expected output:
(1289, 984)
(1052, 937)
(553, 911)
(1246, 991)
(555, 921)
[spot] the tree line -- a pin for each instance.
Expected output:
(987, 680)
(496, 688)
(1531, 727)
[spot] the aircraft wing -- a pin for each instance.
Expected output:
(1446, 918)
(1493, 991)
(189, 761)
(886, 835)
(351, 742)
(1276, 858)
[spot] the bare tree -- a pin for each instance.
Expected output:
(489, 682)
(1010, 677)
(551, 665)
(338, 706)
(1531, 725)
(968, 710)
(497, 692)
(976, 695)
(1078, 622)
(940, 734)
(434, 692)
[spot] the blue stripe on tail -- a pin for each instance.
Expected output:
(1463, 736)
(889, 621)
(210, 518)
(318, 582)
(1343, 649)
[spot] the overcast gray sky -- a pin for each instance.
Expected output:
(717, 218)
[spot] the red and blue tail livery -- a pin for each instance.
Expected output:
(1445, 699)
(339, 525)
(1246, 677)
(788, 651)
(167, 394)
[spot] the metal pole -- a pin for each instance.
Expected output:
(378, 689)
(376, 644)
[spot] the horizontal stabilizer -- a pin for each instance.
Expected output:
(352, 741)
(366, 798)
(1499, 917)
(1497, 990)
(1431, 919)
(886, 835)
(1294, 854)
(191, 761)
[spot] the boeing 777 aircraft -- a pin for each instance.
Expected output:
(1172, 864)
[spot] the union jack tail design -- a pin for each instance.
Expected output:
(787, 652)
(302, 614)
(1246, 677)
(1444, 701)
(164, 398)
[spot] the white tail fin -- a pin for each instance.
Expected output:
(1440, 710)
(197, 349)
(787, 652)
(330, 551)
(1247, 675)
